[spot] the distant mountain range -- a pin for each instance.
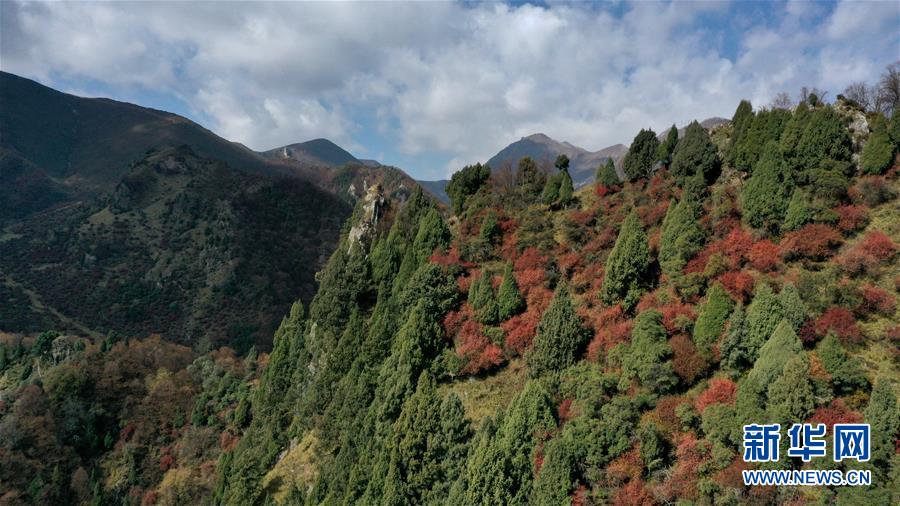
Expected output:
(116, 216)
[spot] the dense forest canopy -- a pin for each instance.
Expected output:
(533, 344)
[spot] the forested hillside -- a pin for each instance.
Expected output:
(535, 345)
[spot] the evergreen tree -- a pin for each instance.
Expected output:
(641, 155)
(551, 189)
(681, 235)
(884, 418)
(846, 375)
(500, 471)
(653, 447)
(800, 211)
(490, 228)
(878, 153)
(790, 396)
(763, 315)
(481, 298)
(792, 306)
(766, 126)
(606, 174)
(421, 449)
(647, 357)
(824, 137)
(740, 124)
(561, 163)
(529, 178)
(793, 132)
(667, 148)
(566, 188)
(695, 154)
(4, 361)
(627, 265)
(559, 337)
(712, 317)
(894, 132)
(773, 356)
(764, 197)
(554, 480)
(509, 299)
(465, 183)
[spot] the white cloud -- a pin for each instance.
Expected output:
(458, 81)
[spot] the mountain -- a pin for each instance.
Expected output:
(437, 188)
(314, 152)
(708, 123)
(119, 217)
(544, 150)
(184, 246)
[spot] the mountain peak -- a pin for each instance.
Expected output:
(318, 151)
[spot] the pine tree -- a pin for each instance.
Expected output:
(763, 315)
(846, 375)
(529, 178)
(641, 155)
(490, 228)
(695, 154)
(712, 317)
(465, 183)
(790, 396)
(606, 174)
(793, 132)
(740, 124)
(894, 132)
(666, 149)
(509, 299)
(554, 480)
(627, 265)
(766, 126)
(647, 356)
(878, 153)
(884, 418)
(681, 236)
(792, 306)
(764, 197)
(559, 337)
(653, 447)
(735, 355)
(481, 298)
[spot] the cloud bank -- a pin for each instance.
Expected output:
(431, 86)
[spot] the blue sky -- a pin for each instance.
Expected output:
(430, 87)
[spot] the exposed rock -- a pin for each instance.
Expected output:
(372, 207)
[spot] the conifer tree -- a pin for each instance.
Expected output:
(799, 211)
(500, 471)
(740, 124)
(559, 337)
(509, 299)
(824, 137)
(712, 317)
(792, 306)
(763, 315)
(554, 480)
(764, 197)
(793, 132)
(894, 132)
(641, 155)
(3, 358)
(490, 228)
(681, 236)
(773, 356)
(884, 418)
(766, 126)
(790, 396)
(627, 265)
(666, 149)
(878, 153)
(647, 357)
(606, 174)
(846, 375)
(529, 178)
(551, 189)
(694, 154)
(566, 188)
(735, 355)
(481, 298)
(465, 183)
(653, 447)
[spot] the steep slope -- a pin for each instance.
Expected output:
(184, 246)
(437, 188)
(88, 143)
